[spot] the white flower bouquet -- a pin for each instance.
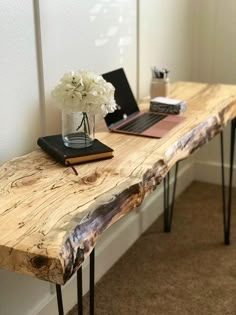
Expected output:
(80, 96)
(84, 91)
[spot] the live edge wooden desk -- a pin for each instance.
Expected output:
(51, 218)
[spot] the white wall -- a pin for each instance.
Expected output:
(20, 112)
(166, 37)
(214, 62)
(215, 45)
(19, 126)
(100, 35)
(96, 35)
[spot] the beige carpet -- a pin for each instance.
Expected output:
(188, 271)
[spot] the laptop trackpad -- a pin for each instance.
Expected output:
(162, 127)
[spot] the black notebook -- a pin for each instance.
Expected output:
(54, 146)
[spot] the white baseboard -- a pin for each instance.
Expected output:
(210, 172)
(117, 240)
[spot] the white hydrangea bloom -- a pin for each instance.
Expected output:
(84, 91)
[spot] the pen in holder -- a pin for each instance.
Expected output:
(160, 83)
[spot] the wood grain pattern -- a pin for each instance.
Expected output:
(50, 219)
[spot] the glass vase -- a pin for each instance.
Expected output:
(78, 129)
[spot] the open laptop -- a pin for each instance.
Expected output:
(128, 118)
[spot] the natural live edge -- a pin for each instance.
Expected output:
(82, 240)
(74, 253)
(51, 219)
(202, 133)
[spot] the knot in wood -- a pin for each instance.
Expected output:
(90, 179)
(39, 262)
(25, 181)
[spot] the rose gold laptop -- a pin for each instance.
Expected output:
(128, 118)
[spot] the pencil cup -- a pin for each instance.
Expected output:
(159, 87)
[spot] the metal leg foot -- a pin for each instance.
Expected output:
(59, 300)
(169, 207)
(227, 205)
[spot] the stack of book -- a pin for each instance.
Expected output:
(54, 146)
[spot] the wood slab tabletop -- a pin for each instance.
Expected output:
(51, 218)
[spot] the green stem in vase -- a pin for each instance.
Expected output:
(82, 123)
(85, 124)
(86, 118)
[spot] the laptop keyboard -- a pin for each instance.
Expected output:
(141, 123)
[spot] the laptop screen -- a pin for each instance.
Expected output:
(123, 95)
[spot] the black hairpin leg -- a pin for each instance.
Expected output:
(227, 205)
(169, 207)
(59, 300)
(92, 281)
(79, 295)
(91, 286)
(80, 291)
